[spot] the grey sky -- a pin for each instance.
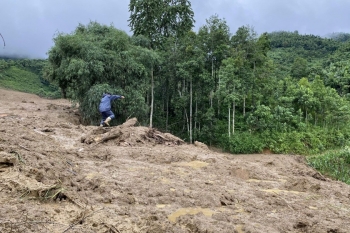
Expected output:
(29, 26)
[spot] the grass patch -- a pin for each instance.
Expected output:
(335, 164)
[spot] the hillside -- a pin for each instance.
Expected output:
(25, 75)
(57, 175)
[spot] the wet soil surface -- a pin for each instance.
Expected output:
(57, 175)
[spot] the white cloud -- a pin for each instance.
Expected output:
(29, 26)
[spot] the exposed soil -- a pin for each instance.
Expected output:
(57, 175)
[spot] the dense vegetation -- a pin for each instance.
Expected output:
(281, 91)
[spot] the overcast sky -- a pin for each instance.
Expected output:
(28, 26)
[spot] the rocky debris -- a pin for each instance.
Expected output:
(129, 135)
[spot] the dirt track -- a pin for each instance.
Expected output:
(59, 176)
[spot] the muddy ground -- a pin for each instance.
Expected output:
(57, 175)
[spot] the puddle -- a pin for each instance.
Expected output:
(278, 191)
(194, 164)
(183, 211)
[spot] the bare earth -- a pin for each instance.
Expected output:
(57, 175)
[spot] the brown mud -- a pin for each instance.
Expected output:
(57, 175)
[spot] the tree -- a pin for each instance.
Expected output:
(158, 20)
(228, 89)
(215, 38)
(189, 68)
(299, 68)
(243, 43)
(96, 54)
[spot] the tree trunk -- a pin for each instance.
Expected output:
(167, 114)
(191, 111)
(229, 121)
(253, 87)
(243, 105)
(196, 117)
(219, 98)
(152, 100)
(306, 116)
(187, 121)
(233, 117)
(64, 93)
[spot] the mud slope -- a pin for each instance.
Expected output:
(59, 176)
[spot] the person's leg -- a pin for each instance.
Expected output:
(104, 117)
(110, 115)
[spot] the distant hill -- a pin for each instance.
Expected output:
(25, 75)
(316, 51)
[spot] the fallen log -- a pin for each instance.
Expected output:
(114, 133)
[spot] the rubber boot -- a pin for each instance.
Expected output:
(107, 121)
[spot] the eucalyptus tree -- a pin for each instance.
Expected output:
(243, 43)
(229, 84)
(304, 98)
(94, 55)
(250, 53)
(158, 20)
(215, 41)
(189, 69)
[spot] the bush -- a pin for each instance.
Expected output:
(244, 143)
(335, 164)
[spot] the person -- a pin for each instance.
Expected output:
(105, 107)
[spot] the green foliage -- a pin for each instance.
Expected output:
(335, 164)
(159, 19)
(311, 142)
(293, 143)
(95, 55)
(299, 68)
(261, 119)
(243, 143)
(314, 140)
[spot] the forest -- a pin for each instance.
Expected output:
(236, 90)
